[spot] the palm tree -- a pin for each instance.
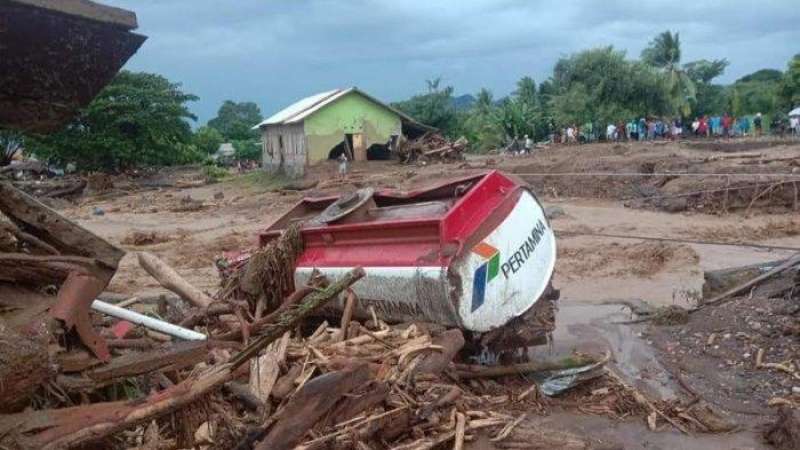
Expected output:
(664, 53)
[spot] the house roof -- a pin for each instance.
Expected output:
(226, 149)
(61, 53)
(299, 110)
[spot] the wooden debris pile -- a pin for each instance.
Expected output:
(432, 146)
(256, 366)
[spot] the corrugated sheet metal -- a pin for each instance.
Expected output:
(296, 112)
(300, 108)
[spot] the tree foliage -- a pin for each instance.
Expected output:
(139, 119)
(207, 140)
(664, 52)
(601, 85)
(703, 70)
(789, 90)
(434, 107)
(236, 120)
(248, 150)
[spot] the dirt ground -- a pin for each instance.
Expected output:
(190, 226)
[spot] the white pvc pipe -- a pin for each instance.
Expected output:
(147, 322)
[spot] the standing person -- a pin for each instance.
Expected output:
(794, 125)
(726, 125)
(744, 126)
(715, 124)
(702, 127)
(342, 166)
(611, 132)
(528, 145)
(695, 126)
(651, 130)
(629, 131)
(757, 124)
(642, 129)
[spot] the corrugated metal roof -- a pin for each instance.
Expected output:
(301, 109)
(298, 108)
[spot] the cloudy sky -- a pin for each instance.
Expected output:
(275, 52)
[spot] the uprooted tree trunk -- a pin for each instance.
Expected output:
(71, 427)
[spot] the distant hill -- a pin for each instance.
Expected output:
(463, 102)
(769, 75)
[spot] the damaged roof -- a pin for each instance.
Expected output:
(299, 110)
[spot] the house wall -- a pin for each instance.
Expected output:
(284, 149)
(352, 113)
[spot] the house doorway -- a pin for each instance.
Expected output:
(345, 147)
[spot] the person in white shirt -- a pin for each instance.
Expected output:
(611, 132)
(794, 124)
(528, 144)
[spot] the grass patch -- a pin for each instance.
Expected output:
(215, 173)
(261, 181)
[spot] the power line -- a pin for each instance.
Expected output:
(658, 174)
(677, 240)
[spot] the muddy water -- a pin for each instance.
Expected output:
(588, 327)
(680, 281)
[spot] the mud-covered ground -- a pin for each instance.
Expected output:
(190, 226)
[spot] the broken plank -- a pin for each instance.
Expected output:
(264, 369)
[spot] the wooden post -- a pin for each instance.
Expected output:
(359, 147)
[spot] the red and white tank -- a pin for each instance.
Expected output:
(476, 253)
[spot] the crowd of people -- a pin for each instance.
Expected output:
(652, 128)
(704, 126)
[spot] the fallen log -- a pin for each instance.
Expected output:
(171, 280)
(28, 238)
(452, 341)
(309, 405)
(467, 371)
(171, 357)
(69, 238)
(75, 426)
(362, 399)
(42, 269)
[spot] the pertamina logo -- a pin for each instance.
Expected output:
(484, 274)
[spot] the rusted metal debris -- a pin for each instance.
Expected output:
(82, 267)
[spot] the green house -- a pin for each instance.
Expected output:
(323, 126)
